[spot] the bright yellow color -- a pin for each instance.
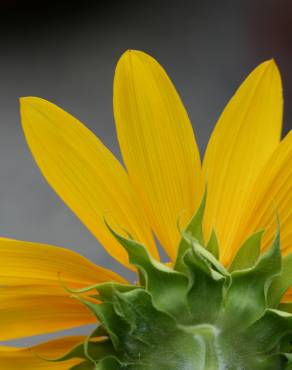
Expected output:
(32, 298)
(84, 173)
(245, 136)
(157, 144)
(272, 191)
(247, 169)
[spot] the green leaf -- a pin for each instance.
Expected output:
(195, 230)
(248, 253)
(281, 283)
(246, 299)
(167, 287)
(213, 245)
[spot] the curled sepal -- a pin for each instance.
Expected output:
(195, 230)
(205, 284)
(206, 255)
(248, 253)
(246, 298)
(281, 283)
(102, 288)
(106, 314)
(270, 329)
(97, 347)
(168, 287)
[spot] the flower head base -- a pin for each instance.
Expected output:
(197, 315)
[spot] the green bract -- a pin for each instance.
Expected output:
(195, 316)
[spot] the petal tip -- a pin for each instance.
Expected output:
(133, 53)
(271, 66)
(28, 100)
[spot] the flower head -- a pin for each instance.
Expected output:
(248, 175)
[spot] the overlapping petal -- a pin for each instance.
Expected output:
(271, 195)
(245, 136)
(157, 144)
(34, 263)
(84, 173)
(33, 299)
(33, 310)
(12, 358)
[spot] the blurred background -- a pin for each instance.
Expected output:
(67, 52)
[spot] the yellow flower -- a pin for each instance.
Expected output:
(247, 168)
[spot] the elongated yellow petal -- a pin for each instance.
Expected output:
(32, 298)
(271, 194)
(245, 136)
(84, 173)
(33, 310)
(157, 144)
(34, 263)
(12, 358)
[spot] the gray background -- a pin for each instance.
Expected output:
(67, 54)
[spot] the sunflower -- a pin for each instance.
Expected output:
(222, 301)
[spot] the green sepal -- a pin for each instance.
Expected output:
(198, 317)
(167, 286)
(98, 352)
(102, 288)
(154, 341)
(85, 365)
(204, 253)
(213, 245)
(204, 283)
(281, 282)
(246, 298)
(106, 314)
(288, 357)
(195, 230)
(248, 253)
(285, 306)
(267, 332)
(109, 363)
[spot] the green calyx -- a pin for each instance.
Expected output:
(195, 316)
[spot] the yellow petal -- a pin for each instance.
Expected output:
(33, 310)
(84, 173)
(157, 144)
(12, 358)
(34, 263)
(247, 133)
(272, 193)
(32, 298)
